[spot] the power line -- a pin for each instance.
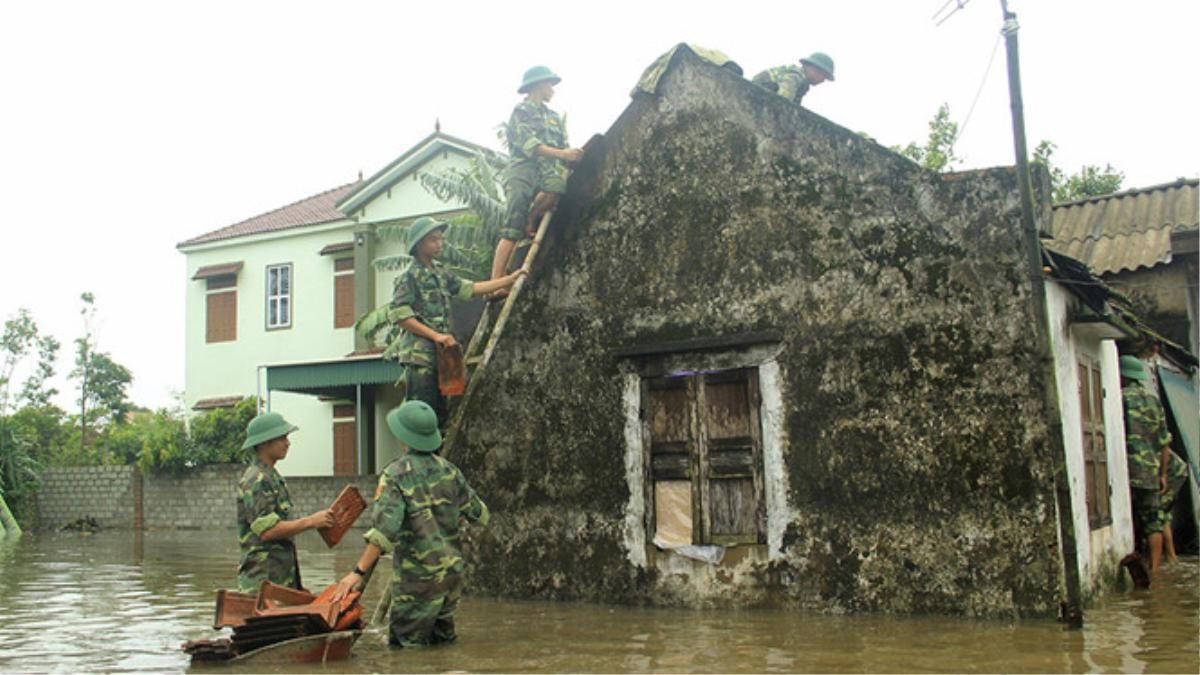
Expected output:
(986, 71)
(959, 4)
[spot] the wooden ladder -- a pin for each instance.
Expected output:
(483, 341)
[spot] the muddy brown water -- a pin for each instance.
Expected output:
(123, 602)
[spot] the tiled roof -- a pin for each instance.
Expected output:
(309, 211)
(1126, 230)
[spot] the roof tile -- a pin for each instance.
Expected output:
(1126, 230)
(309, 211)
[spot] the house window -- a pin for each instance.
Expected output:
(1095, 452)
(703, 458)
(343, 292)
(220, 309)
(345, 441)
(279, 296)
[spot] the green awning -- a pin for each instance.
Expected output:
(1184, 406)
(332, 378)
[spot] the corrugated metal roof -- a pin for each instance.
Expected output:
(1126, 230)
(309, 211)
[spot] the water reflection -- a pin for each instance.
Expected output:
(119, 601)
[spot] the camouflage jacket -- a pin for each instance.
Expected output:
(791, 80)
(425, 293)
(418, 503)
(530, 125)
(1177, 473)
(1145, 436)
(262, 502)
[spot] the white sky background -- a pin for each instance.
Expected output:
(127, 127)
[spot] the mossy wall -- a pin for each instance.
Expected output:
(914, 430)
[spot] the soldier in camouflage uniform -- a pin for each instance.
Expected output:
(421, 305)
(416, 517)
(1147, 446)
(264, 510)
(538, 155)
(793, 82)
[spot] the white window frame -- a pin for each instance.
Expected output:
(274, 301)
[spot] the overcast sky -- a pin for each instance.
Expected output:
(127, 127)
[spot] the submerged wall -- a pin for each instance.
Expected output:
(914, 474)
(121, 497)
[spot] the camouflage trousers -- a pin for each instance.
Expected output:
(422, 611)
(1148, 511)
(421, 384)
(523, 182)
(276, 562)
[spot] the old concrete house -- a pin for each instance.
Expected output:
(756, 337)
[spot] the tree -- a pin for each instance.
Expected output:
(1091, 181)
(19, 340)
(102, 381)
(470, 240)
(938, 152)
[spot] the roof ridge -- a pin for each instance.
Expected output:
(1177, 183)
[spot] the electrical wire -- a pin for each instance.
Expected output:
(979, 92)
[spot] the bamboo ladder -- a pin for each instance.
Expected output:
(8, 524)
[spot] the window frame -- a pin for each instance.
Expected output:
(341, 273)
(1094, 443)
(224, 285)
(289, 297)
(700, 449)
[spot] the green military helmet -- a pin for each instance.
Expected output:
(1133, 368)
(537, 74)
(820, 60)
(266, 427)
(416, 425)
(421, 227)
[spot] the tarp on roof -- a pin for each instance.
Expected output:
(1184, 406)
(648, 82)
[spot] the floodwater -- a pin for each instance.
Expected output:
(121, 601)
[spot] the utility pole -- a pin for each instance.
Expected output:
(1072, 613)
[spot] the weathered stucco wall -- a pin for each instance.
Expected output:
(914, 437)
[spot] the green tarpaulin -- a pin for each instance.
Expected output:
(1184, 406)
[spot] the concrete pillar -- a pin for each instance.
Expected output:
(364, 277)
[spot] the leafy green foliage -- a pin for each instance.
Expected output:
(20, 340)
(19, 469)
(1091, 181)
(102, 381)
(938, 152)
(217, 435)
(470, 240)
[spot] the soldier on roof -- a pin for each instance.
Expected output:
(539, 155)
(793, 82)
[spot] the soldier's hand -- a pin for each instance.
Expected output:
(323, 518)
(445, 340)
(345, 585)
(517, 274)
(572, 155)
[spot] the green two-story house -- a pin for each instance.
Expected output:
(272, 301)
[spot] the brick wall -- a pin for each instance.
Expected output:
(199, 499)
(105, 493)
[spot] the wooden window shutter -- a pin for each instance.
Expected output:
(343, 300)
(732, 457)
(221, 317)
(345, 449)
(671, 462)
